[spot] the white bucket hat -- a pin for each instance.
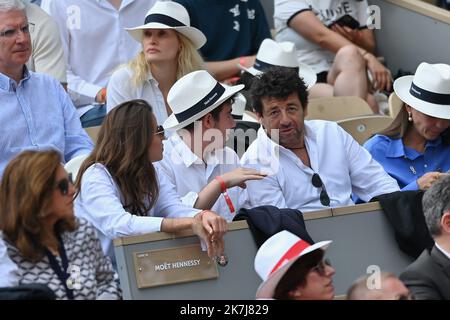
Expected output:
(276, 255)
(169, 15)
(428, 90)
(193, 96)
(280, 54)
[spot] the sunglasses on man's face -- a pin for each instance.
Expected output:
(64, 185)
(317, 182)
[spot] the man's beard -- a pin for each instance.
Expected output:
(291, 140)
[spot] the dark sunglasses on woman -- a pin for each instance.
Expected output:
(64, 185)
(160, 131)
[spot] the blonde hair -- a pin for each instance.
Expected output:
(188, 60)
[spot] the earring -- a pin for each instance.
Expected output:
(410, 117)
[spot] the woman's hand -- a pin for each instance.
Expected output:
(425, 181)
(211, 227)
(237, 177)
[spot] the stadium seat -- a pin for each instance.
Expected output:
(395, 104)
(74, 164)
(362, 128)
(93, 132)
(242, 136)
(337, 108)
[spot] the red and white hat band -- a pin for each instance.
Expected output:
(293, 252)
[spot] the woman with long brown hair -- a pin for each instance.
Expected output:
(169, 51)
(120, 192)
(44, 239)
(415, 148)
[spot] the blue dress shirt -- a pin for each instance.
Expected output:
(405, 164)
(37, 114)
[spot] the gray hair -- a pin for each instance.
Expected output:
(360, 290)
(11, 5)
(435, 202)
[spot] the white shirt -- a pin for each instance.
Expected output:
(447, 254)
(327, 11)
(47, 53)
(121, 89)
(45, 5)
(95, 42)
(190, 174)
(342, 164)
(9, 272)
(101, 203)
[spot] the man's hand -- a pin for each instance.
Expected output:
(382, 79)
(247, 61)
(353, 35)
(237, 177)
(101, 96)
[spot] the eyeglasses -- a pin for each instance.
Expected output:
(64, 185)
(12, 33)
(317, 182)
(160, 132)
(321, 267)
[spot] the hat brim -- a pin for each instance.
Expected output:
(401, 88)
(305, 72)
(172, 123)
(267, 289)
(196, 36)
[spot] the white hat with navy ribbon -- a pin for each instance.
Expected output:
(280, 54)
(169, 15)
(428, 90)
(195, 95)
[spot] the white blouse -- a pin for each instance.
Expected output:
(9, 275)
(121, 89)
(101, 203)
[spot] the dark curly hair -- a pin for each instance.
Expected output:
(277, 83)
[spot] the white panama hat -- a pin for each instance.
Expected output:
(280, 54)
(276, 255)
(193, 96)
(169, 15)
(428, 90)
(238, 107)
